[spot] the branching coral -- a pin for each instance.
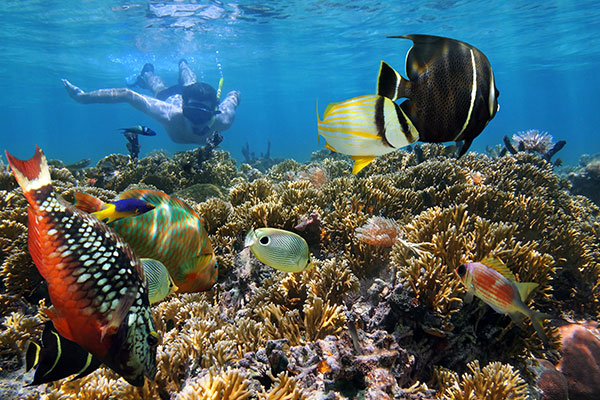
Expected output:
(495, 381)
(286, 388)
(227, 385)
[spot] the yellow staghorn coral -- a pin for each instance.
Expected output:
(495, 381)
(214, 213)
(18, 331)
(20, 276)
(285, 388)
(322, 319)
(224, 385)
(255, 192)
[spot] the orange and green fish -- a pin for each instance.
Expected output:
(495, 284)
(95, 281)
(172, 233)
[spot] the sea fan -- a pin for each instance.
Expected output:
(534, 140)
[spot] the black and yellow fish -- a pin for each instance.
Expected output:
(57, 358)
(451, 96)
(451, 89)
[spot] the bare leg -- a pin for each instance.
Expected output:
(153, 82)
(186, 75)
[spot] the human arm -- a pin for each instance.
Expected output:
(155, 108)
(225, 117)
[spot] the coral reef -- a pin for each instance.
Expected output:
(368, 321)
(495, 381)
(585, 179)
(534, 141)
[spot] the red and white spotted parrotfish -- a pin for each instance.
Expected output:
(95, 281)
(495, 284)
(172, 233)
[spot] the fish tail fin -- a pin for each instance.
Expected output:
(537, 319)
(32, 356)
(30, 174)
(87, 202)
(391, 84)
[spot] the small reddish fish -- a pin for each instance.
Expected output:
(95, 281)
(495, 284)
(172, 233)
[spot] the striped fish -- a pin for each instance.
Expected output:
(160, 283)
(495, 284)
(57, 358)
(365, 127)
(451, 90)
(95, 281)
(172, 233)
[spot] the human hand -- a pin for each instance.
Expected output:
(75, 92)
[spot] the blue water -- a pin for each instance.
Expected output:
(282, 56)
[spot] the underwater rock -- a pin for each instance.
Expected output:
(586, 180)
(580, 362)
(552, 383)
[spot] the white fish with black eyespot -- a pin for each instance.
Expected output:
(160, 283)
(280, 249)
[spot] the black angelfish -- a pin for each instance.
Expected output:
(58, 358)
(451, 89)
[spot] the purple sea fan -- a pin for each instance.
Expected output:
(532, 139)
(379, 231)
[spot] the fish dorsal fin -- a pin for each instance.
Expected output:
(525, 289)
(497, 265)
(360, 162)
(328, 109)
(390, 83)
(426, 50)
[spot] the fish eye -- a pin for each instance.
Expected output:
(152, 338)
(461, 270)
(265, 240)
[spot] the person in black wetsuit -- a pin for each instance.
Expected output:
(190, 112)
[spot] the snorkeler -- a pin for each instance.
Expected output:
(190, 112)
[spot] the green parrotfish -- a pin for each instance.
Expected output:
(172, 233)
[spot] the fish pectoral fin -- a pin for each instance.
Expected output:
(360, 162)
(118, 315)
(525, 289)
(390, 83)
(468, 298)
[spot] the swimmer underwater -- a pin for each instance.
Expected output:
(190, 112)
